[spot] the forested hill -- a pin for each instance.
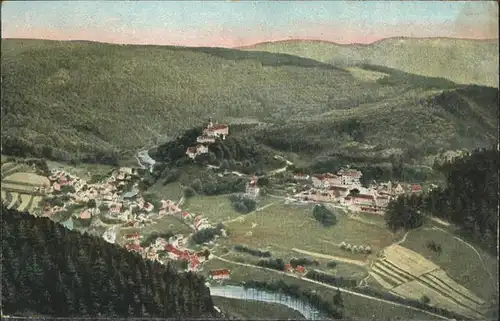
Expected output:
(70, 100)
(50, 271)
(469, 200)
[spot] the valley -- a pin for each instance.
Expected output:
(300, 179)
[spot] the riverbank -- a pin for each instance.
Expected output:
(248, 309)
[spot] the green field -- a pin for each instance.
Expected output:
(282, 227)
(218, 208)
(165, 224)
(84, 171)
(171, 191)
(247, 309)
(458, 260)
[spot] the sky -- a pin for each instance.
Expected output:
(240, 23)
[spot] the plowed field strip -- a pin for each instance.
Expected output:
(416, 289)
(25, 202)
(14, 200)
(443, 278)
(384, 280)
(382, 270)
(451, 291)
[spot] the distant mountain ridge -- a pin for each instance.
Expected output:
(464, 61)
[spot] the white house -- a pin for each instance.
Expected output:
(350, 177)
(205, 139)
(192, 152)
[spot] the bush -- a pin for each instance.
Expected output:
(331, 264)
(189, 192)
(324, 215)
(303, 261)
(254, 252)
(241, 203)
(92, 203)
(207, 235)
(330, 279)
(276, 264)
(240, 207)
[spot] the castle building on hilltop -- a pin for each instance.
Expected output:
(210, 134)
(216, 130)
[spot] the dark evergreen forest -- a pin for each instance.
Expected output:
(50, 271)
(469, 200)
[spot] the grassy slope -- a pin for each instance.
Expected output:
(463, 61)
(91, 96)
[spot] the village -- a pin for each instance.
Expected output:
(345, 189)
(115, 204)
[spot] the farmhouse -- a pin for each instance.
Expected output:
(220, 274)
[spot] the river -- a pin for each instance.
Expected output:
(239, 292)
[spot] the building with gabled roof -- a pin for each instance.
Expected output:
(220, 274)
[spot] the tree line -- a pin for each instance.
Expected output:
(469, 199)
(51, 271)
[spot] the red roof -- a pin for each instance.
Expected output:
(300, 269)
(220, 272)
(218, 127)
(416, 187)
(320, 176)
(288, 267)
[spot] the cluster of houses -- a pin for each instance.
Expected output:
(173, 248)
(209, 135)
(345, 188)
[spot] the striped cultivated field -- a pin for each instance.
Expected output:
(408, 274)
(18, 187)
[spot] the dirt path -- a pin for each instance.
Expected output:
(331, 257)
(440, 221)
(246, 215)
(333, 287)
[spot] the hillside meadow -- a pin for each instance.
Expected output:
(463, 61)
